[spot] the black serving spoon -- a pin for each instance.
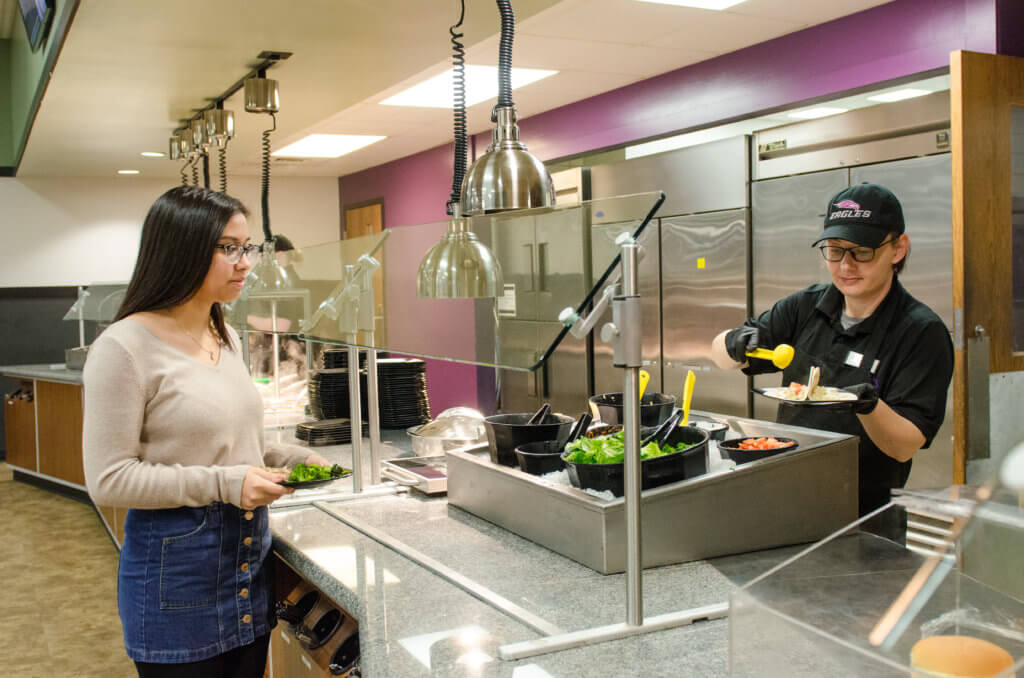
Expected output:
(539, 415)
(580, 427)
(665, 430)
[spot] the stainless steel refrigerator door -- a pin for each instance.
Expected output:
(704, 291)
(561, 262)
(786, 216)
(561, 381)
(515, 249)
(607, 378)
(924, 187)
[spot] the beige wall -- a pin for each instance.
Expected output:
(58, 231)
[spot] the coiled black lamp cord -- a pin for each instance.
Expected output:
(195, 171)
(265, 185)
(508, 29)
(222, 165)
(459, 109)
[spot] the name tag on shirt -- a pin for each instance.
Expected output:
(853, 359)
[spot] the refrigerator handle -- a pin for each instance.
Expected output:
(542, 266)
(533, 268)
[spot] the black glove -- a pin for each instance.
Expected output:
(867, 397)
(739, 341)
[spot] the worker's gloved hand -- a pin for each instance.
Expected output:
(867, 397)
(739, 341)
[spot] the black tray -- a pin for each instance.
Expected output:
(829, 404)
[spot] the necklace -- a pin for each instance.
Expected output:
(197, 342)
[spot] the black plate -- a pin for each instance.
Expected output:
(831, 404)
(305, 484)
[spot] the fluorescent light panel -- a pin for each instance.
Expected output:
(481, 85)
(151, 154)
(899, 95)
(699, 4)
(326, 145)
(820, 112)
(127, 171)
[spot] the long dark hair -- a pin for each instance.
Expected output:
(178, 238)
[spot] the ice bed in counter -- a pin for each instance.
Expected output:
(794, 497)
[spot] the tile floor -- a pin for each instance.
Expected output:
(58, 602)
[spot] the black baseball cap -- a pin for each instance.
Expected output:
(864, 214)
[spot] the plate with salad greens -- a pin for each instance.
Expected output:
(303, 476)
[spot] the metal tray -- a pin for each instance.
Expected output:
(790, 498)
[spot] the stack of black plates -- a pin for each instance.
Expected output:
(402, 385)
(326, 432)
(328, 393)
(338, 357)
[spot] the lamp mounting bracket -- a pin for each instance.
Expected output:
(267, 59)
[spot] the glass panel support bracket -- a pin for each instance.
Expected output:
(352, 304)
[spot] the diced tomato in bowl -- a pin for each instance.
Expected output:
(746, 450)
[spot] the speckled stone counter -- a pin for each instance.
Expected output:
(55, 372)
(415, 623)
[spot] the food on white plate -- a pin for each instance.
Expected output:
(812, 391)
(959, 657)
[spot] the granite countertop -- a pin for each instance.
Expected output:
(416, 623)
(52, 372)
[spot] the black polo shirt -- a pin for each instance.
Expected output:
(903, 348)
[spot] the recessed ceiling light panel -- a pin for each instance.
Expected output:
(152, 154)
(699, 4)
(127, 171)
(326, 145)
(481, 85)
(820, 112)
(899, 95)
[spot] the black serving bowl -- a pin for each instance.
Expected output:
(732, 450)
(654, 472)
(506, 432)
(540, 458)
(716, 429)
(655, 408)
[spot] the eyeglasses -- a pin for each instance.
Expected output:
(234, 251)
(862, 254)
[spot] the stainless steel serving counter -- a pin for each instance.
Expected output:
(380, 558)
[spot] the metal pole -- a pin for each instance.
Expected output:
(275, 343)
(81, 318)
(629, 334)
(374, 410)
(355, 413)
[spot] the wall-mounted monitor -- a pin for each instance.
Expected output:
(37, 15)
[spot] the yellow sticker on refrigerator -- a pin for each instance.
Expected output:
(701, 263)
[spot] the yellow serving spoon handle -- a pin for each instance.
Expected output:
(781, 356)
(691, 378)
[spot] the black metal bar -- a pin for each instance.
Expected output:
(258, 71)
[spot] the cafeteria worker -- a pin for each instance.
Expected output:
(868, 335)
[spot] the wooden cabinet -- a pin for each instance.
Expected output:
(59, 419)
(20, 430)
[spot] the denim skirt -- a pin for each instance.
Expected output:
(194, 582)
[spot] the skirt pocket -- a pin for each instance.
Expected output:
(189, 564)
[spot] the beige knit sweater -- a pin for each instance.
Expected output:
(164, 430)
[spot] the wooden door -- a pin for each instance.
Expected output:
(363, 221)
(987, 101)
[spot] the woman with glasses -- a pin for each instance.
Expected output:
(868, 335)
(174, 432)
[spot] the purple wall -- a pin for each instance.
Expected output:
(891, 41)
